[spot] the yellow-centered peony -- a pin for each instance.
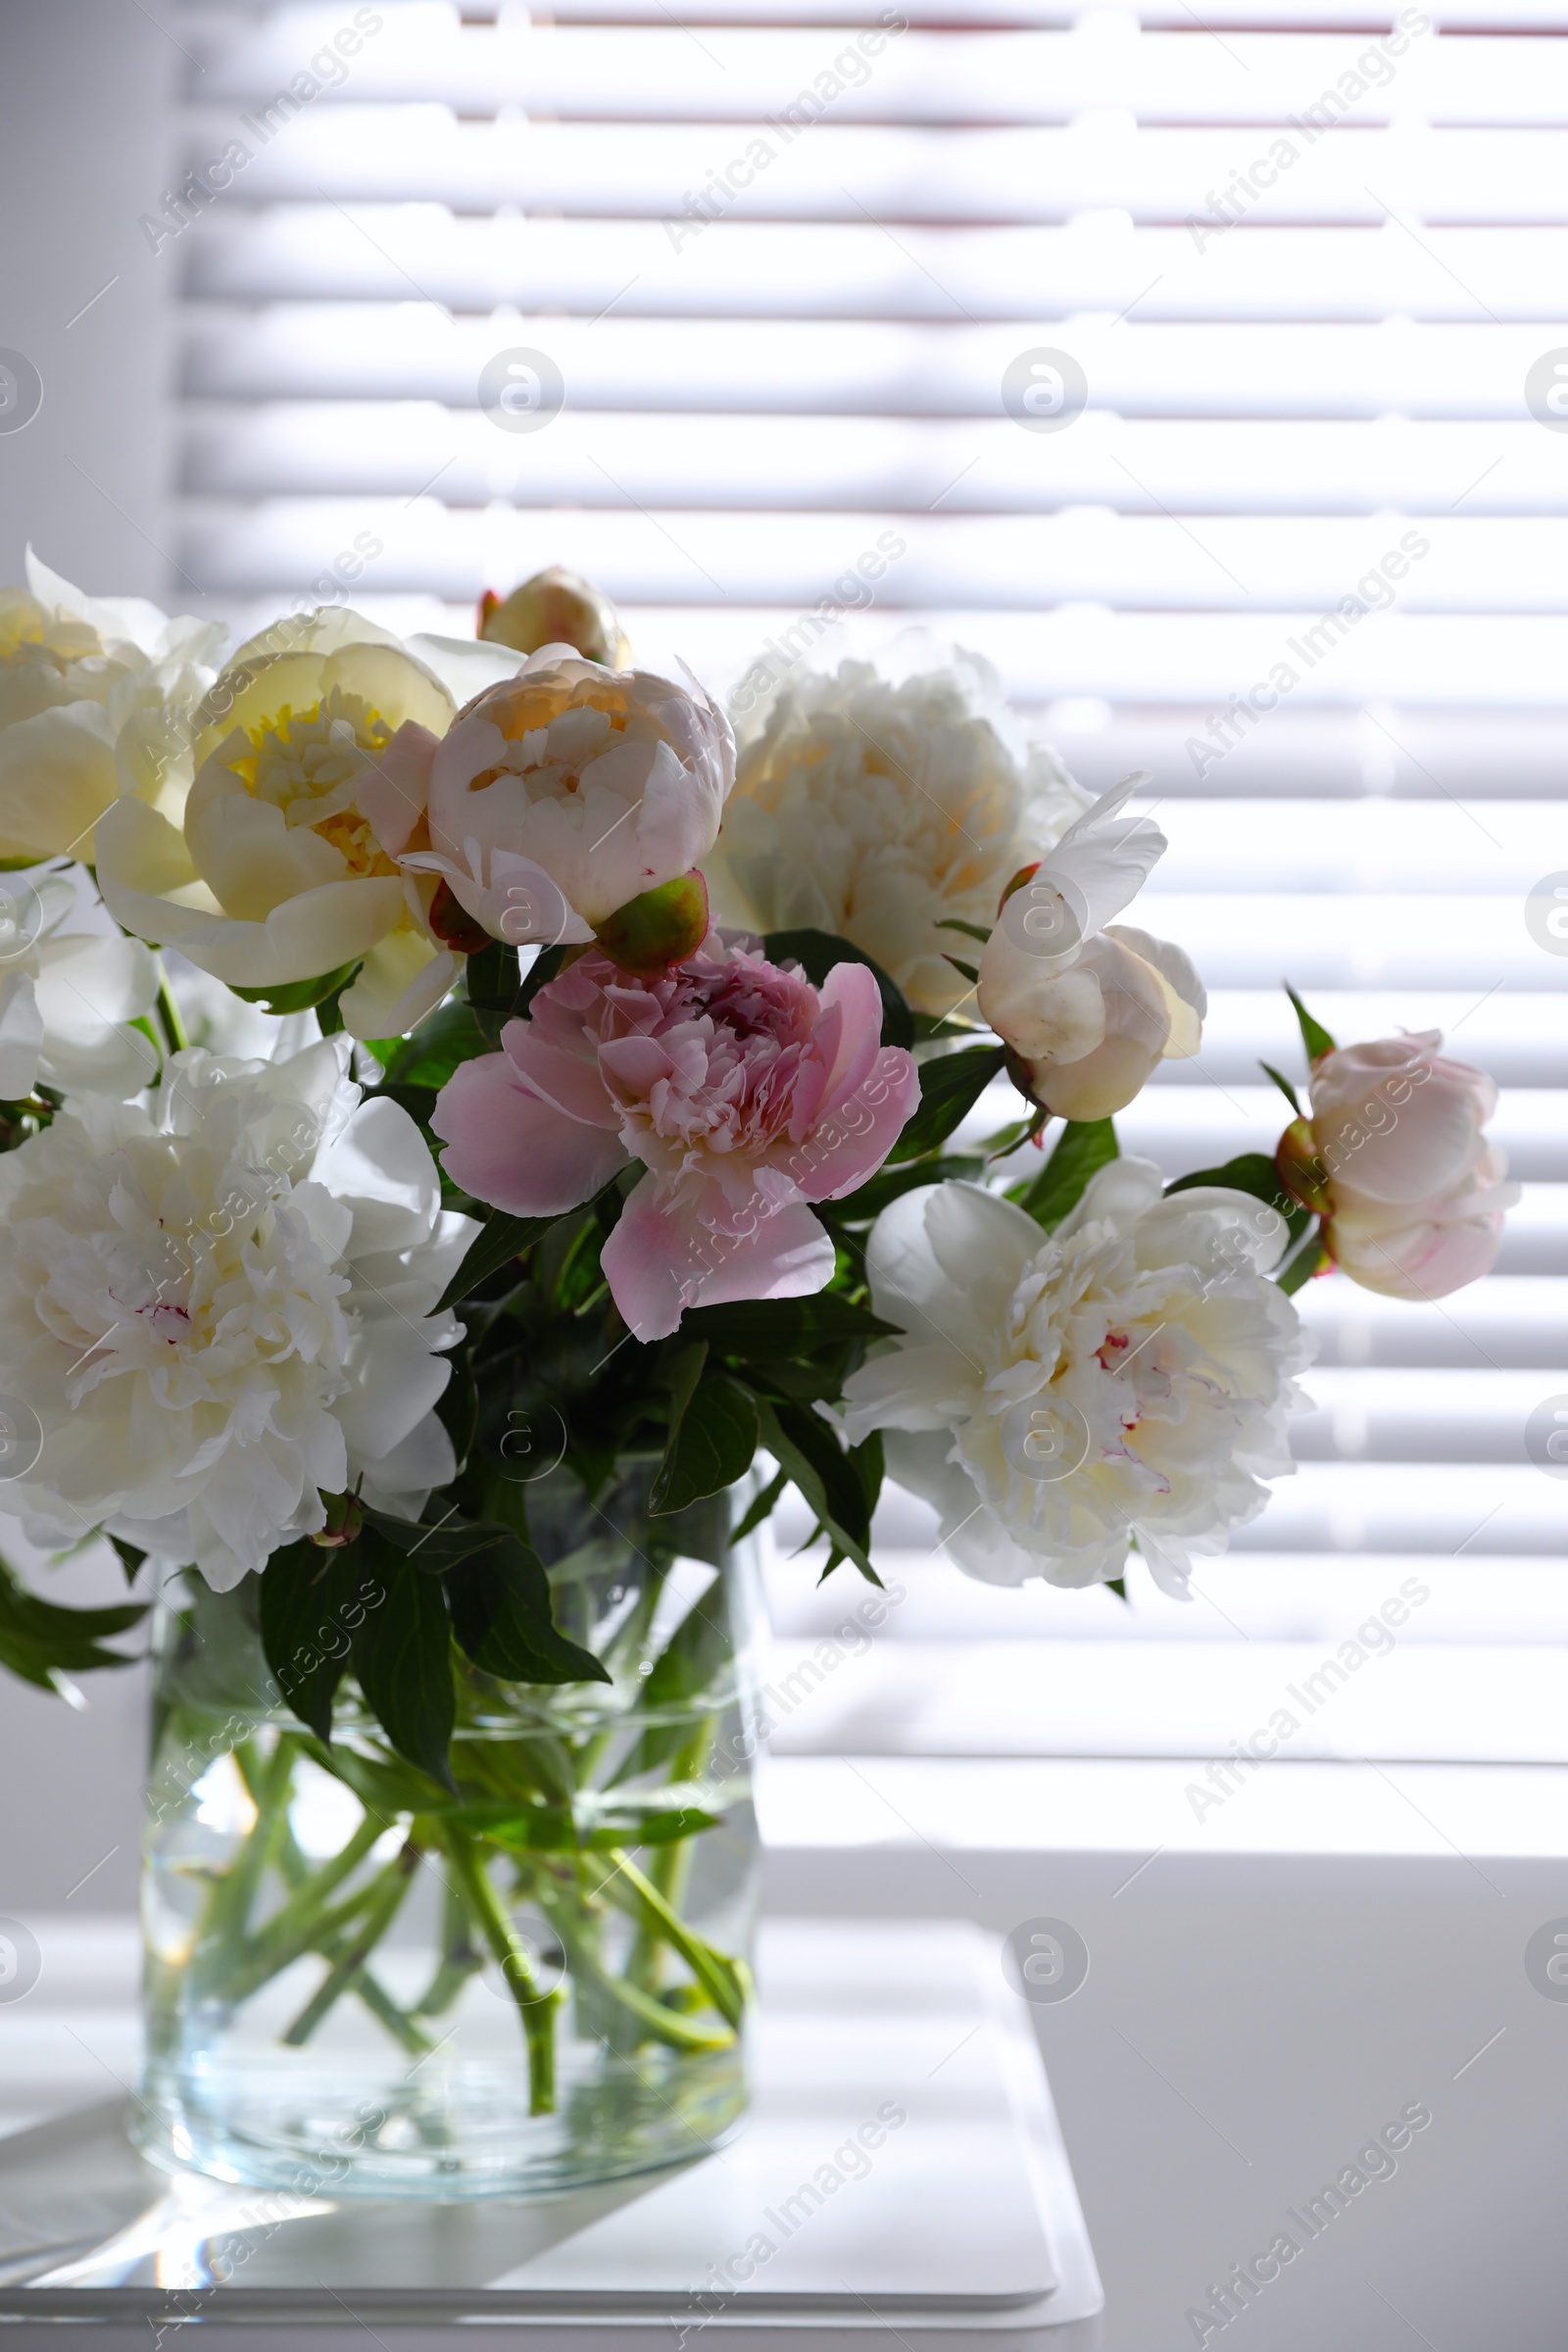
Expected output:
(279, 864)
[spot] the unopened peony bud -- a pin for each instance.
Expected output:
(1393, 1158)
(655, 932)
(555, 608)
(345, 1517)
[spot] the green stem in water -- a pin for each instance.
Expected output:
(669, 1869)
(235, 1892)
(168, 1021)
(537, 2009)
(724, 1981)
(391, 1886)
(657, 2023)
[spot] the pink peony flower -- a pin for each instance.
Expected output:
(1394, 1157)
(744, 1091)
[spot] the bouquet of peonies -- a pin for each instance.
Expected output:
(550, 1108)
(574, 1077)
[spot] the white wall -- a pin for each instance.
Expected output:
(85, 148)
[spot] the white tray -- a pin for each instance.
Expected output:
(960, 2227)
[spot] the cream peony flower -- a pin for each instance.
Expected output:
(1091, 1007)
(1127, 1377)
(568, 790)
(218, 1309)
(876, 811)
(67, 999)
(280, 862)
(80, 678)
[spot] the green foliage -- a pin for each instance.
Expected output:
(41, 1639)
(951, 1086)
(710, 1443)
(300, 996)
(504, 1239)
(501, 1614)
(439, 1046)
(804, 1445)
(1314, 1037)
(402, 1656)
(1083, 1148)
(310, 1604)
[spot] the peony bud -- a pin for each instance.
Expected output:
(555, 608)
(655, 932)
(1393, 1158)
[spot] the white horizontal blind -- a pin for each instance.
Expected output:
(793, 265)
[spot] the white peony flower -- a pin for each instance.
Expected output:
(278, 863)
(877, 811)
(88, 684)
(220, 1308)
(1091, 1007)
(1127, 1377)
(67, 998)
(568, 789)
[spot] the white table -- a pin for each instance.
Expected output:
(963, 2233)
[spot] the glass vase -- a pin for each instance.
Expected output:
(358, 1986)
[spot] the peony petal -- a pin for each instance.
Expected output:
(21, 1035)
(380, 1166)
(660, 1259)
(509, 1147)
(395, 793)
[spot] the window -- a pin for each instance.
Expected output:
(1209, 367)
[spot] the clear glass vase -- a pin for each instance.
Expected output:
(361, 1985)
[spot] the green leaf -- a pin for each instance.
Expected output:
(493, 990)
(969, 971)
(1284, 1085)
(683, 1369)
(1248, 1172)
(1303, 1263)
(1314, 1037)
(701, 1532)
(502, 1239)
(709, 1447)
(129, 1558)
(803, 1445)
(1083, 1148)
(440, 1045)
(440, 1546)
(818, 952)
(501, 1615)
(950, 1088)
(892, 1183)
(402, 1656)
(951, 922)
(769, 1329)
(762, 1505)
(299, 996)
(38, 1637)
(1118, 1585)
(310, 1601)
(457, 1408)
